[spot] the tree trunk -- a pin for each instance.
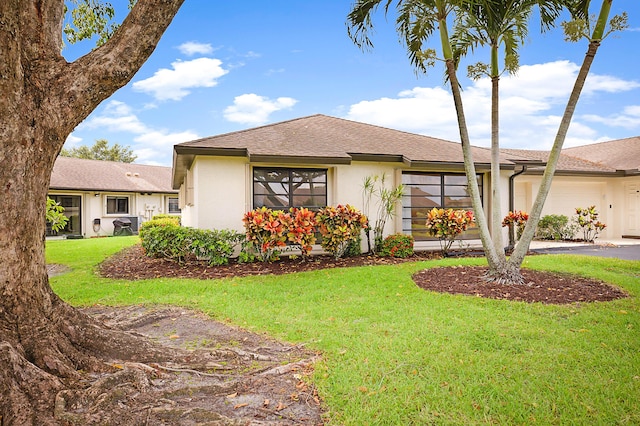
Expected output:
(496, 199)
(522, 246)
(496, 259)
(43, 341)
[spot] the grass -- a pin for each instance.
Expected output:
(395, 354)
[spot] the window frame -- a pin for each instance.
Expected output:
(177, 205)
(117, 197)
(290, 190)
(446, 194)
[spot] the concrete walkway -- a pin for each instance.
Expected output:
(624, 248)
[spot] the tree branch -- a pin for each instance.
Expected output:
(95, 76)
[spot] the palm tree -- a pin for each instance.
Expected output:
(496, 24)
(479, 22)
(575, 30)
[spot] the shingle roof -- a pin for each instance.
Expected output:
(323, 139)
(620, 154)
(94, 175)
(566, 163)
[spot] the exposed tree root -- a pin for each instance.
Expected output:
(147, 382)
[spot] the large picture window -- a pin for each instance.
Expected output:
(424, 191)
(282, 188)
(117, 205)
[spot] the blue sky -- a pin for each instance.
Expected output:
(228, 66)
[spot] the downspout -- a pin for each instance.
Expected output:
(512, 178)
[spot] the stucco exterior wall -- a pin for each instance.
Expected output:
(610, 195)
(222, 192)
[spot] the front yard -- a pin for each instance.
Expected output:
(393, 353)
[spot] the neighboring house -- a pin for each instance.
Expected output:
(319, 160)
(605, 174)
(94, 193)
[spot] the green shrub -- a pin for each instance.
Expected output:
(397, 245)
(555, 227)
(354, 247)
(214, 246)
(339, 226)
(175, 218)
(163, 238)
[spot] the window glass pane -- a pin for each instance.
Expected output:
(283, 188)
(270, 188)
(72, 211)
(426, 191)
(455, 180)
(174, 206)
(117, 205)
(421, 179)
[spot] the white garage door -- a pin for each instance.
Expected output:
(564, 197)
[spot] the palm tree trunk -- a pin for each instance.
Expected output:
(522, 246)
(495, 259)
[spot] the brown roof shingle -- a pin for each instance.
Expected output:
(566, 163)
(94, 175)
(620, 154)
(323, 139)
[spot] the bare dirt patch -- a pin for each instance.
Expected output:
(247, 379)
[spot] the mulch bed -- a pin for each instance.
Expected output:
(540, 286)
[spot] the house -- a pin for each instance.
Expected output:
(94, 193)
(320, 160)
(605, 174)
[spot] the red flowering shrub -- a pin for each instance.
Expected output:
(397, 245)
(266, 231)
(446, 225)
(517, 219)
(338, 226)
(302, 229)
(587, 219)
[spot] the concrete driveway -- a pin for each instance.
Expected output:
(623, 249)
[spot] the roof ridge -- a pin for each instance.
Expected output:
(110, 162)
(264, 126)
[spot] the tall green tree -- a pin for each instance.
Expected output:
(487, 23)
(101, 151)
(45, 344)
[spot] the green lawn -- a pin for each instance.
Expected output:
(397, 355)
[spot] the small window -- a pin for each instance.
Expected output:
(117, 205)
(174, 206)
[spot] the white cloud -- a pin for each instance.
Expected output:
(152, 145)
(173, 84)
(629, 118)
(531, 105)
(254, 110)
(72, 141)
(191, 48)
(117, 116)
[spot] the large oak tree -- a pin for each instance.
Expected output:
(45, 343)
